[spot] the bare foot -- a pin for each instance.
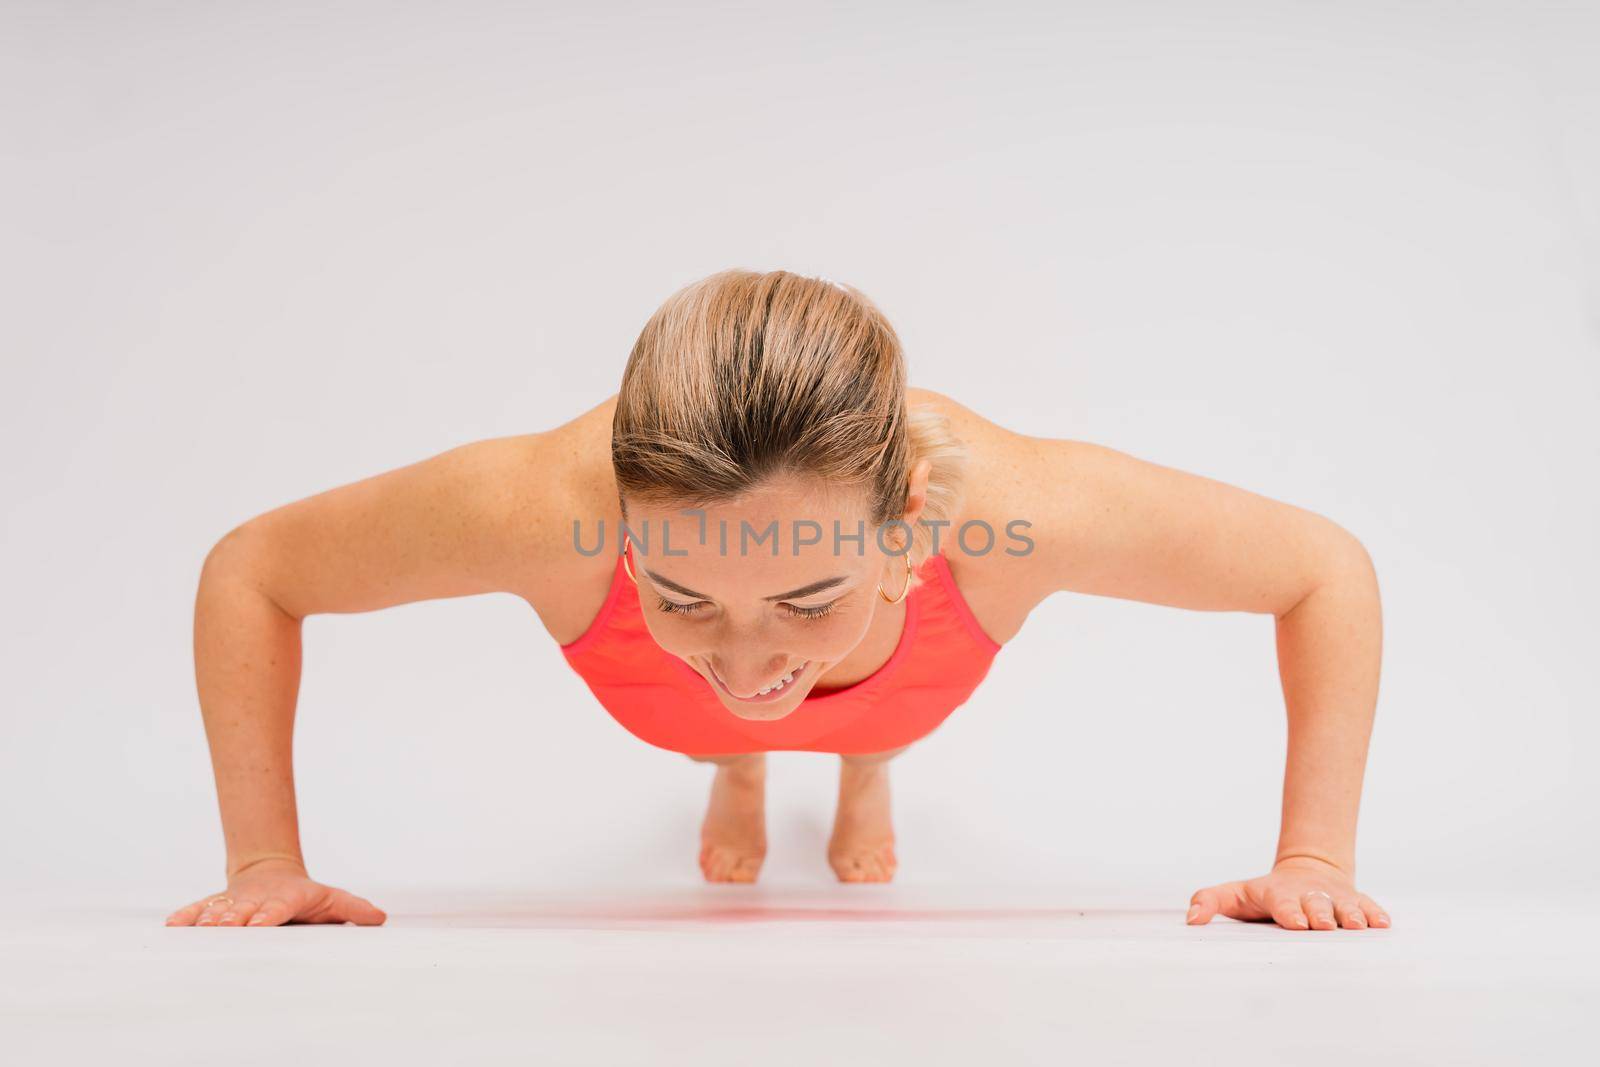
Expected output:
(733, 838)
(862, 849)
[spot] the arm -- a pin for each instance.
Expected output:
(464, 522)
(1113, 525)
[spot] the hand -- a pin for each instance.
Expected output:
(1300, 894)
(273, 892)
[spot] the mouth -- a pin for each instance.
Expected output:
(766, 696)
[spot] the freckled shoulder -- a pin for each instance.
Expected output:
(565, 587)
(997, 586)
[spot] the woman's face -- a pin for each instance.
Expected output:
(746, 618)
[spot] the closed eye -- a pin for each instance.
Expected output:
(672, 608)
(810, 613)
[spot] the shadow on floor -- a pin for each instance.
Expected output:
(535, 913)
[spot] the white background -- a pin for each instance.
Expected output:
(1347, 256)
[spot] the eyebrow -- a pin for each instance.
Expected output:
(793, 594)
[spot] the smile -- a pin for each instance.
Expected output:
(773, 692)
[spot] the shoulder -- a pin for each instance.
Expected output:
(991, 485)
(1042, 514)
(531, 480)
(534, 488)
(1018, 475)
(996, 513)
(575, 457)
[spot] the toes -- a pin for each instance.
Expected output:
(744, 869)
(727, 865)
(885, 864)
(876, 866)
(712, 864)
(1350, 914)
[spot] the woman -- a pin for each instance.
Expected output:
(766, 541)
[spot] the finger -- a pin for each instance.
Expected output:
(359, 910)
(1350, 915)
(272, 912)
(240, 912)
(215, 908)
(1202, 906)
(186, 915)
(1376, 916)
(1228, 899)
(1318, 906)
(1288, 913)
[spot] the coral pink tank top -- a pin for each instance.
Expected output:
(942, 656)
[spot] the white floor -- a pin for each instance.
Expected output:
(762, 975)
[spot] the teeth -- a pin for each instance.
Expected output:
(781, 682)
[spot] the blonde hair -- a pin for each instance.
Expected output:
(742, 377)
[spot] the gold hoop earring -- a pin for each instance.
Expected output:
(907, 587)
(627, 564)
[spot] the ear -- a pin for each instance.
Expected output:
(917, 492)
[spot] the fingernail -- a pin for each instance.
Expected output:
(256, 920)
(228, 915)
(1194, 911)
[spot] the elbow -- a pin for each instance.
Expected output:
(1349, 560)
(231, 552)
(1340, 568)
(240, 558)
